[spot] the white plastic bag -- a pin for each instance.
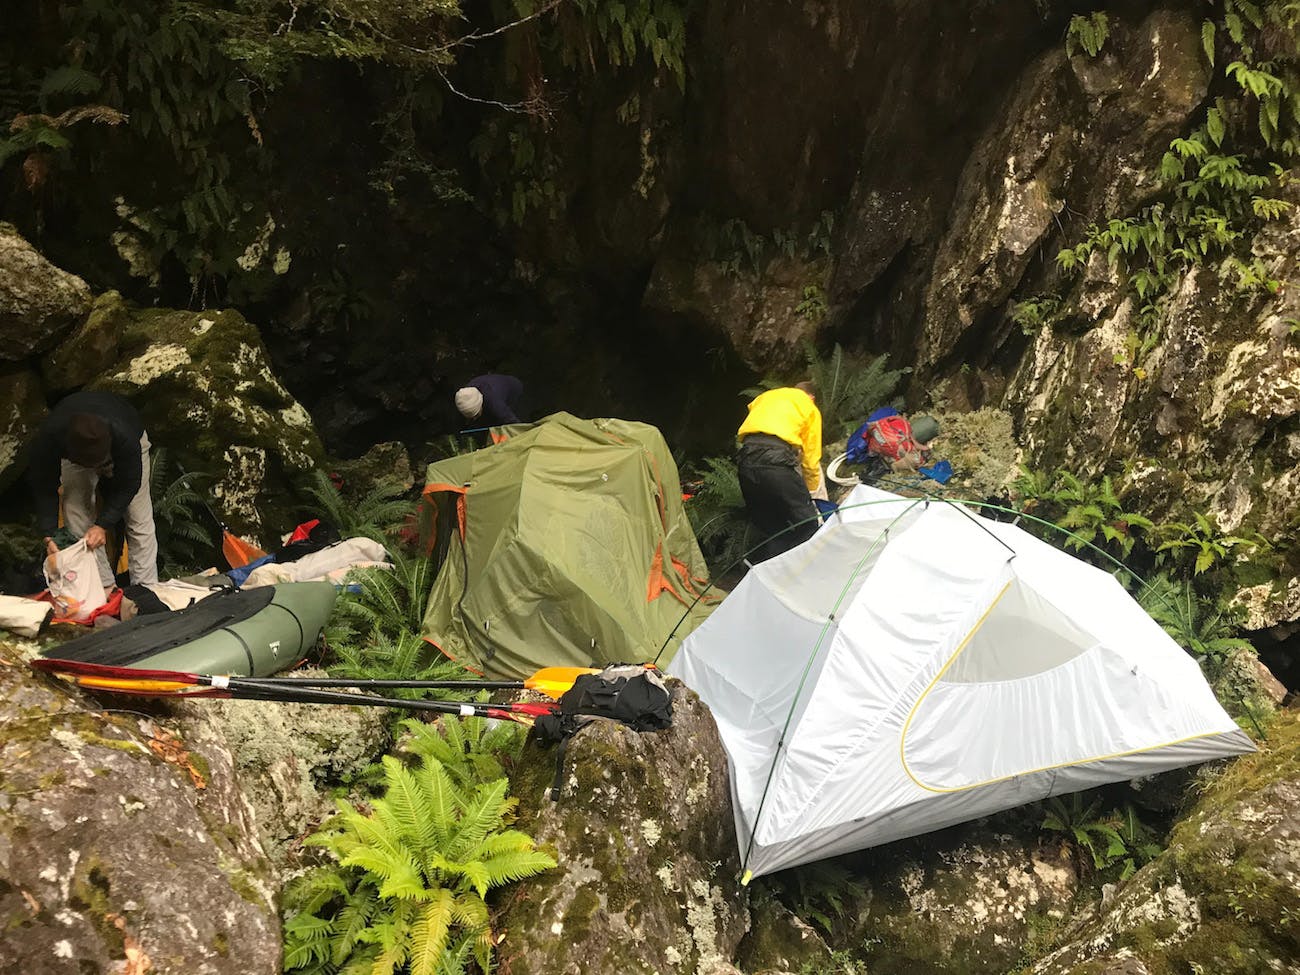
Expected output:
(73, 577)
(22, 616)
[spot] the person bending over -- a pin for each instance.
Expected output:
(492, 400)
(95, 440)
(779, 464)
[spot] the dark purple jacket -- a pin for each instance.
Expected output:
(501, 395)
(44, 471)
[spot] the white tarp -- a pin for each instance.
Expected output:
(925, 666)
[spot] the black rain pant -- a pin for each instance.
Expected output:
(771, 479)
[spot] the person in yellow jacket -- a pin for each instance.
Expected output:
(779, 465)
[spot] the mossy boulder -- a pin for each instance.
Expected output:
(1224, 897)
(205, 390)
(644, 837)
(123, 845)
(22, 408)
(38, 301)
(90, 350)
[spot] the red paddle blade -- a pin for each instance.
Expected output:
(80, 668)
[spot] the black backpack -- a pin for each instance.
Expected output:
(627, 693)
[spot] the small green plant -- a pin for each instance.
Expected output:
(813, 307)
(1031, 487)
(470, 751)
(403, 656)
(1202, 537)
(452, 445)
(378, 513)
(1088, 33)
(184, 528)
(717, 513)
(1095, 509)
(738, 249)
(821, 893)
(1203, 626)
(1116, 840)
(381, 602)
(408, 895)
(1033, 314)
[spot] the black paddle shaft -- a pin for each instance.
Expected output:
(477, 685)
(240, 688)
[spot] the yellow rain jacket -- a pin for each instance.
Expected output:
(790, 414)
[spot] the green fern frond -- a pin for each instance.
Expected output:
(407, 804)
(379, 513)
(443, 799)
(481, 811)
(429, 935)
(351, 922)
(509, 867)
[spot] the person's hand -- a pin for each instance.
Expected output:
(95, 538)
(50, 547)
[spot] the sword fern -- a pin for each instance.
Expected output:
(409, 895)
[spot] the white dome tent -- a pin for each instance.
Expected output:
(914, 665)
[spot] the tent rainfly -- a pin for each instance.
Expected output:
(563, 544)
(913, 666)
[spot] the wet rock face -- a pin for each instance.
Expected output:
(644, 837)
(1090, 132)
(38, 301)
(123, 847)
(1222, 897)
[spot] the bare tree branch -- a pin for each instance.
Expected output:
(534, 105)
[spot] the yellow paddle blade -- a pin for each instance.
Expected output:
(136, 686)
(555, 681)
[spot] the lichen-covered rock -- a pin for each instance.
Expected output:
(287, 757)
(90, 350)
(644, 837)
(38, 301)
(22, 408)
(962, 901)
(205, 390)
(123, 846)
(1224, 896)
(1199, 425)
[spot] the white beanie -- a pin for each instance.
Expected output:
(469, 401)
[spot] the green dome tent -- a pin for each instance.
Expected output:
(563, 544)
